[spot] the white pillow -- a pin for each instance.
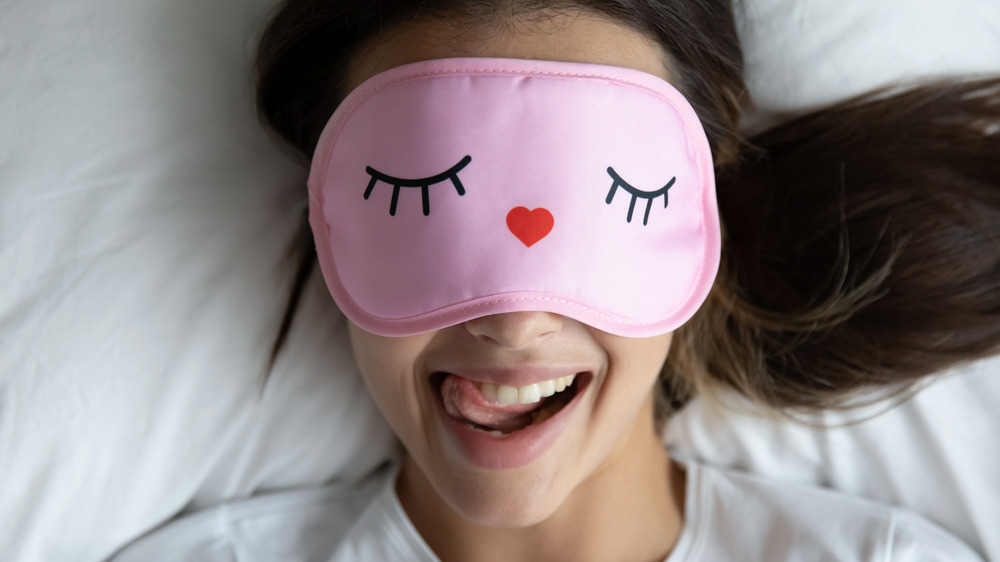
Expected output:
(144, 222)
(802, 55)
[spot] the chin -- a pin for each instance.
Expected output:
(507, 501)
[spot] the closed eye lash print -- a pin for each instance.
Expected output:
(637, 193)
(423, 183)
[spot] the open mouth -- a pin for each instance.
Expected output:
(503, 410)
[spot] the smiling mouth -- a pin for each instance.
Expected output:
(504, 410)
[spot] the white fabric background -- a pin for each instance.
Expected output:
(144, 220)
(937, 454)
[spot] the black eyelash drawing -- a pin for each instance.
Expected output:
(424, 184)
(637, 193)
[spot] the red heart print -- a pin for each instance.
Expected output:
(530, 226)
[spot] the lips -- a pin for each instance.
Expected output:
(491, 434)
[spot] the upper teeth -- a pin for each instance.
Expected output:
(528, 394)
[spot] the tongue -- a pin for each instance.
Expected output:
(463, 399)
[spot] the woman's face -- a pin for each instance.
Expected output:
(513, 465)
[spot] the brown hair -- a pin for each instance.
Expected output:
(862, 250)
(861, 241)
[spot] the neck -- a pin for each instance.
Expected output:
(631, 508)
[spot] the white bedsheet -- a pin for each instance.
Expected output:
(937, 454)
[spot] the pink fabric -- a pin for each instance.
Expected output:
(532, 143)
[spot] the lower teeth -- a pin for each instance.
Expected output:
(493, 432)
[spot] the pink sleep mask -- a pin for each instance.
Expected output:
(450, 189)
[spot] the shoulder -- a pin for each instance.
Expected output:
(288, 525)
(917, 539)
(738, 516)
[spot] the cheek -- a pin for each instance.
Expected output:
(638, 361)
(634, 365)
(389, 367)
(633, 369)
(623, 408)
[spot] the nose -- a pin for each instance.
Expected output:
(514, 330)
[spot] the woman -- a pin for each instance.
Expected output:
(532, 432)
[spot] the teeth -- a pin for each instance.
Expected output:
(547, 388)
(490, 391)
(507, 395)
(528, 394)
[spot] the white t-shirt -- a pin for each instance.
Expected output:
(729, 517)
